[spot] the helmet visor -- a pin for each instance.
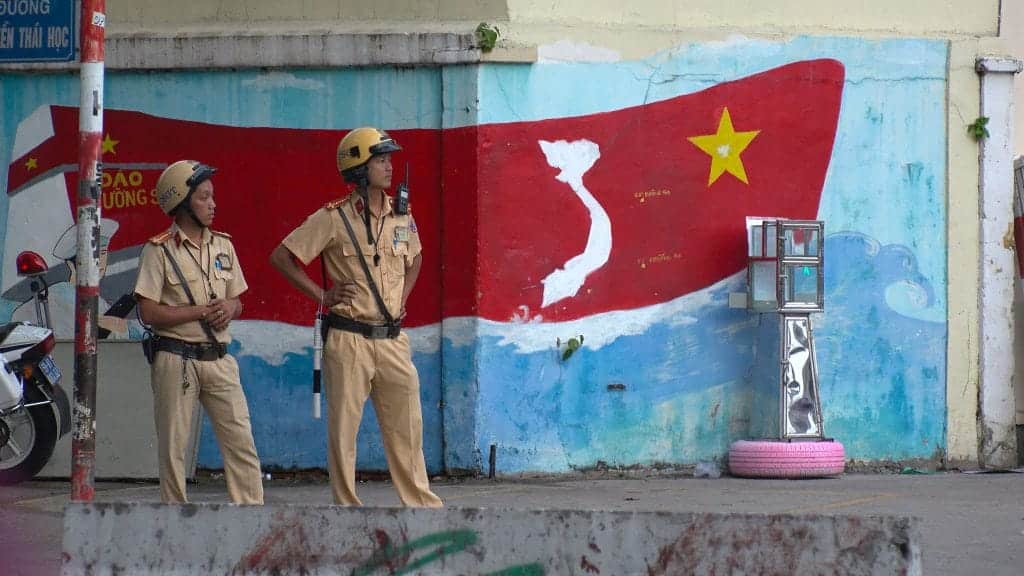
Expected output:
(201, 173)
(384, 147)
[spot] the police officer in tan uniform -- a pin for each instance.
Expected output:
(365, 352)
(190, 363)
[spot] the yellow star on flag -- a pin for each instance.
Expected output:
(725, 148)
(109, 144)
(31, 164)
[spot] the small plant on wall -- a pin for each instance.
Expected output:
(978, 128)
(571, 346)
(487, 36)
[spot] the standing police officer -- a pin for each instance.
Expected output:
(188, 288)
(371, 251)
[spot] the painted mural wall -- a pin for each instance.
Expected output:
(598, 201)
(273, 138)
(630, 182)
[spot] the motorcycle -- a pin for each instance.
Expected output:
(34, 409)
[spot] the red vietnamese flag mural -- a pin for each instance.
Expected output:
(576, 216)
(676, 179)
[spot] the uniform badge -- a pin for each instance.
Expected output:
(412, 225)
(401, 234)
(222, 262)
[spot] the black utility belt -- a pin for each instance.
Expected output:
(371, 331)
(206, 351)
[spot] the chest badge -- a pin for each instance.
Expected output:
(222, 262)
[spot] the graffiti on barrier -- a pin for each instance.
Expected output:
(396, 560)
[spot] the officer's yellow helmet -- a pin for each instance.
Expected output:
(361, 144)
(178, 180)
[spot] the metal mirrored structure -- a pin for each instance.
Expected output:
(785, 274)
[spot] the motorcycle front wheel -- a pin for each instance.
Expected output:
(27, 438)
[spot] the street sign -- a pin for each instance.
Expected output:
(37, 31)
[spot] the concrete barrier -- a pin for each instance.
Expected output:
(142, 538)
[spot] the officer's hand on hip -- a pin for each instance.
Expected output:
(343, 293)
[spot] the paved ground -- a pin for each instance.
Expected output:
(972, 524)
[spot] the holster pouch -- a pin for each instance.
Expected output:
(148, 346)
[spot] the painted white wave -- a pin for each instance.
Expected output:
(602, 329)
(461, 331)
(271, 341)
(425, 339)
(911, 300)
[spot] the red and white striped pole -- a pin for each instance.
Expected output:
(90, 134)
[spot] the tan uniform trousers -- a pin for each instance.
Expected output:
(356, 367)
(216, 384)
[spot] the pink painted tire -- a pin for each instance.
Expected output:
(778, 459)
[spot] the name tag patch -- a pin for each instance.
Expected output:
(223, 262)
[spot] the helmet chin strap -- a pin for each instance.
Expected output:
(364, 191)
(192, 213)
(195, 219)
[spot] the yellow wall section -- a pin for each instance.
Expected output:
(161, 15)
(963, 238)
(910, 17)
(885, 17)
(1012, 32)
(964, 256)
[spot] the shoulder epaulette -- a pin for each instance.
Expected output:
(161, 237)
(333, 205)
(221, 234)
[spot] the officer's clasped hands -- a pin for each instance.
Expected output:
(219, 312)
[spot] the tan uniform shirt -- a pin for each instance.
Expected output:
(398, 244)
(211, 270)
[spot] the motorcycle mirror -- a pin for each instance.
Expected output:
(31, 264)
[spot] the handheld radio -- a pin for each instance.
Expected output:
(402, 201)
